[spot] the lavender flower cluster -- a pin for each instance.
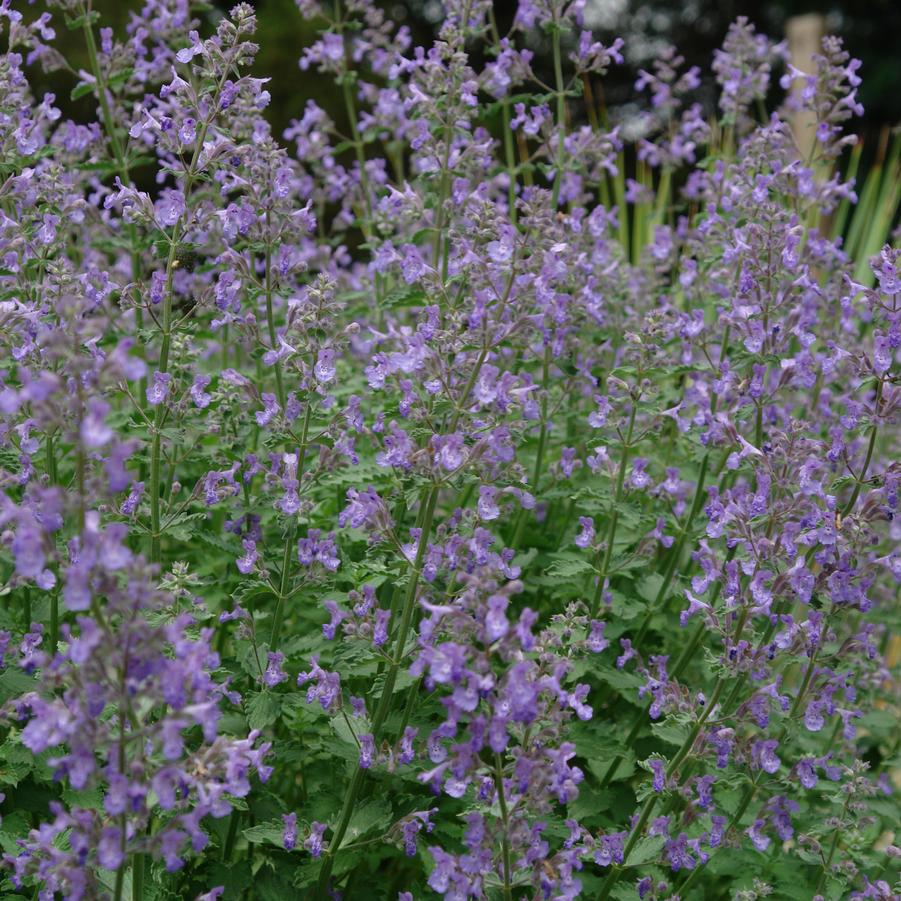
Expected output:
(458, 499)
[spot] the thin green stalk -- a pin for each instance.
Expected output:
(108, 121)
(163, 364)
(687, 655)
(505, 822)
(291, 535)
(137, 877)
(561, 115)
(270, 316)
(231, 836)
(649, 804)
(156, 445)
(54, 596)
(120, 883)
(871, 444)
(676, 553)
(614, 516)
(542, 434)
(509, 159)
(54, 622)
(381, 714)
(119, 157)
(542, 444)
(351, 108)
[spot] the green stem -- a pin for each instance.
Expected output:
(108, 121)
(676, 553)
(120, 883)
(232, 835)
(137, 877)
(290, 536)
(649, 804)
(542, 434)
(156, 446)
(384, 706)
(874, 430)
(542, 444)
(163, 365)
(505, 821)
(351, 107)
(270, 316)
(120, 160)
(833, 847)
(614, 516)
(54, 622)
(561, 115)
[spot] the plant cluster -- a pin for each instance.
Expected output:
(473, 498)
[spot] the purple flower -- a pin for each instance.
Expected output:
(585, 538)
(367, 751)
(158, 389)
(610, 849)
(487, 504)
(596, 641)
(289, 837)
(274, 672)
(313, 842)
(325, 687)
(246, 563)
(764, 754)
(200, 397)
(658, 768)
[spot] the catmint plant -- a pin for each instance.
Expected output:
(469, 492)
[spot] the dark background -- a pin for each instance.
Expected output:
(870, 28)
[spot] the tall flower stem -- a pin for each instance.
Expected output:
(430, 498)
(648, 807)
(561, 114)
(614, 513)
(542, 442)
(871, 444)
(119, 156)
(291, 535)
(270, 315)
(505, 824)
(166, 327)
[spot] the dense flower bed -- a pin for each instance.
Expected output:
(462, 500)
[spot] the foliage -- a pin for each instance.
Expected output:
(436, 508)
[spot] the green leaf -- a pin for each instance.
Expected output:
(566, 565)
(646, 850)
(14, 683)
(81, 90)
(266, 833)
(76, 22)
(372, 816)
(673, 733)
(263, 709)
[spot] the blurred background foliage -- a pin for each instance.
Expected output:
(870, 28)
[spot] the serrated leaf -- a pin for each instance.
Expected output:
(566, 565)
(81, 90)
(374, 815)
(14, 683)
(671, 732)
(216, 541)
(265, 833)
(646, 850)
(263, 709)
